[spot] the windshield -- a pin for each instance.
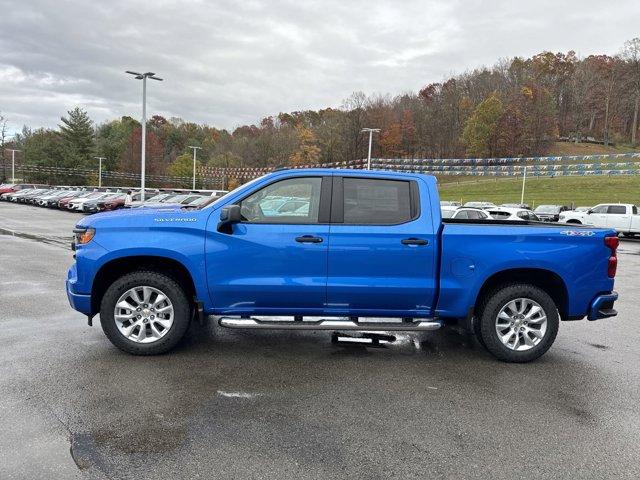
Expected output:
(180, 198)
(448, 213)
(547, 209)
(198, 201)
(157, 198)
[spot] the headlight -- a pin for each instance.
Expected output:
(84, 235)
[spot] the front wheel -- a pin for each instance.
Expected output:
(145, 313)
(518, 322)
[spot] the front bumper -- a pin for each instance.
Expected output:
(602, 306)
(78, 301)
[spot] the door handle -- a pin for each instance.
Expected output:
(308, 239)
(414, 241)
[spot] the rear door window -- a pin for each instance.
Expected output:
(376, 201)
(617, 209)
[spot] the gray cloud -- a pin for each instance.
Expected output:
(227, 62)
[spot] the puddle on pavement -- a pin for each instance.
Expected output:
(64, 242)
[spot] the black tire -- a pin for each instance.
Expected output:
(181, 306)
(575, 222)
(490, 308)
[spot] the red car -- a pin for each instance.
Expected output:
(14, 187)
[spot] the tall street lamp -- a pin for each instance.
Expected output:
(13, 163)
(143, 77)
(370, 131)
(100, 169)
(195, 149)
(524, 181)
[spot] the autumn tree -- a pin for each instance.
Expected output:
(183, 167)
(308, 151)
(480, 130)
(391, 141)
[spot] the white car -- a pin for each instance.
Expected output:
(465, 213)
(77, 203)
(623, 217)
(506, 213)
(483, 205)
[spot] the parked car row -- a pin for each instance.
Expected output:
(92, 200)
(623, 217)
(505, 211)
(492, 213)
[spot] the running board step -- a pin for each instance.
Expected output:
(337, 323)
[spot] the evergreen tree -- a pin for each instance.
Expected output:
(77, 136)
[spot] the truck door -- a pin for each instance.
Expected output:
(273, 262)
(597, 216)
(618, 218)
(382, 248)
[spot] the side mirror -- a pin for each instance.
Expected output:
(228, 216)
(589, 212)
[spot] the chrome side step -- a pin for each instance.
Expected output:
(335, 323)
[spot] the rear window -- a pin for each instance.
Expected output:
(618, 209)
(376, 201)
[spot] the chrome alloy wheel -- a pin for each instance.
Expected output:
(521, 324)
(143, 314)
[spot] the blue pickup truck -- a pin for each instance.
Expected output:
(337, 250)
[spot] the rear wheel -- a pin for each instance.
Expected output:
(145, 313)
(518, 322)
(576, 222)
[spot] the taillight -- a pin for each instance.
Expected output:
(612, 243)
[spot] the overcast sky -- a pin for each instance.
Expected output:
(227, 63)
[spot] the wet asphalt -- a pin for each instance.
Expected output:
(247, 404)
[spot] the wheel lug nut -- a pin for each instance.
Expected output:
(145, 305)
(139, 317)
(138, 309)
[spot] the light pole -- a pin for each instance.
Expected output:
(100, 169)
(13, 163)
(524, 180)
(370, 130)
(143, 77)
(195, 149)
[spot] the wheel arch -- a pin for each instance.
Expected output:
(546, 280)
(118, 267)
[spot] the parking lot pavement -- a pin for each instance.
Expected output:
(249, 404)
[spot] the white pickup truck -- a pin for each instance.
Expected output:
(621, 216)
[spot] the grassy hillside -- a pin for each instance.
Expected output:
(571, 148)
(585, 191)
